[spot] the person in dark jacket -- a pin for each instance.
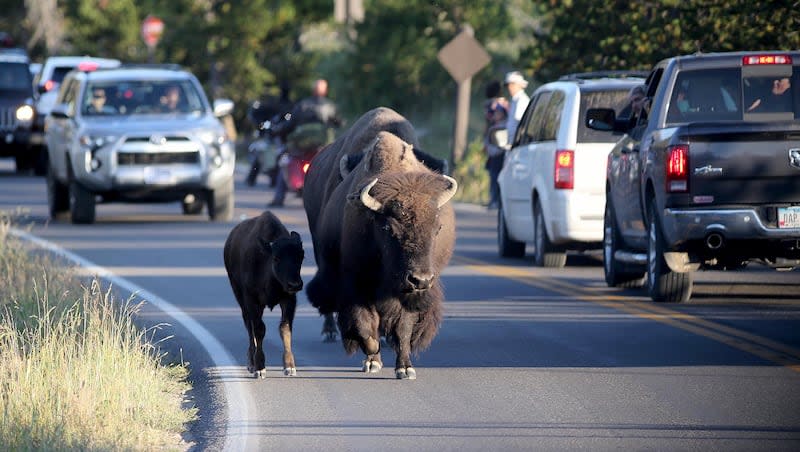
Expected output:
(317, 109)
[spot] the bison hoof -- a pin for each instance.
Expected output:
(372, 367)
(329, 336)
(406, 374)
(260, 373)
(290, 371)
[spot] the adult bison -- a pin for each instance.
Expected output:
(382, 234)
(263, 262)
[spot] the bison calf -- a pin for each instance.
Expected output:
(263, 262)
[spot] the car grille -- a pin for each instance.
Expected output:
(160, 158)
(8, 120)
(172, 150)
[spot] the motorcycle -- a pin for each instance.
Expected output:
(294, 157)
(262, 154)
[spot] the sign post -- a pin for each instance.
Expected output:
(152, 29)
(462, 57)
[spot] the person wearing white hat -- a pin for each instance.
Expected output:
(516, 84)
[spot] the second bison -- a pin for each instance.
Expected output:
(263, 261)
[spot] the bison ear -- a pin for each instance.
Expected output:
(295, 236)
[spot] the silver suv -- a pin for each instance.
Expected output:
(138, 134)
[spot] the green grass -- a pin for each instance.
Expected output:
(76, 373)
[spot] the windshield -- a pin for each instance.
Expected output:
(141, 97)
(15, 77)
(735, 94)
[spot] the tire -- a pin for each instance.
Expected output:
(23, 162)
(663, 284)
(57, 196)
(42, 161)
(617, 274)
(506, 246)
(545, 254)
(82, 203)
(195, 207)
(220, 202)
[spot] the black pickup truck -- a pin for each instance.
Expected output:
(708, 175)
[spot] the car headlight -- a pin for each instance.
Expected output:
(24, 113)
(96, 141)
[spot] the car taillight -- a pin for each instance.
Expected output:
(678, 169)
(766, 59)
(87, 66)
(305, 167)
(48, 85)
(565, 169)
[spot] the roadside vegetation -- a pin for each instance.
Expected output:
(76, 373)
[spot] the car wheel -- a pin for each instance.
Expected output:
(506, 246)
(617, 274)
(57, 196)
(82, 203)
(42, 161)
(23, 163)
(192, 205)
(663, 284)
(545, 254)
(220, 202)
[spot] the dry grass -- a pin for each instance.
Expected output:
(75, 371)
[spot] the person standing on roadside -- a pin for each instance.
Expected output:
(515, 84)
(496, 111)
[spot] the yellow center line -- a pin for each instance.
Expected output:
(762, 347)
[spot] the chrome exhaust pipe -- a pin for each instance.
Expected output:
(714, 241)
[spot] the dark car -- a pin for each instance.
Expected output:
(17, 111)
(709, 176)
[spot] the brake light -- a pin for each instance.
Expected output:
(766, 59)
(564, 169)
(48, 85)
(678, 169)
(87, 66)
(305, 167)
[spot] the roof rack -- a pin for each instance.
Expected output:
(604, 74)
(166, 66)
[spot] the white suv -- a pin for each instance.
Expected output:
(552, 185)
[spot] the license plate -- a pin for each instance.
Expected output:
(158, 176)
(789, 217)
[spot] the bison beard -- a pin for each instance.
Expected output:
(382, 232)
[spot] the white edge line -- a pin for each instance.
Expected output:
(234, 393)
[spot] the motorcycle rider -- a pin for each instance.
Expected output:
(316, 111)
(259, 114)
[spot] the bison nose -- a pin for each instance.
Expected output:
(419, 281)
(294, 286)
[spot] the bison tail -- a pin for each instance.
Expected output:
(320, 296)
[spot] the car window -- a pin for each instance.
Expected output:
(706, 95)
(551, 120)
(771, 92)
(15, 77)
(533, 131)
(608, 98)
(524, 123)
(135, 97)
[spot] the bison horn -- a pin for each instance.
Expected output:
(367, 199)
(449, 193)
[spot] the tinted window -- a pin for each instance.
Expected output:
(141, 97)
(552, 116)
(15, 77)
(706, 95)
(616, 99)
(533, 131)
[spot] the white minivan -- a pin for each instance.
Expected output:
(552, 185)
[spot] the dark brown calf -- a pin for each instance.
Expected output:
(263, 262)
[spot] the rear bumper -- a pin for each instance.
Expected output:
(711, 231)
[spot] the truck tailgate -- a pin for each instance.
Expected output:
(744, 163)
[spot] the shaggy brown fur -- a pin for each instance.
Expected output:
(379, 266)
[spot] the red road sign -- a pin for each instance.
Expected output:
(152, 29)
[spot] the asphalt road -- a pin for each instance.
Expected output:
(526, 359)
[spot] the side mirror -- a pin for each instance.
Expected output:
(41, 89)
(222, 107)
(60, 111)
(602, 119)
